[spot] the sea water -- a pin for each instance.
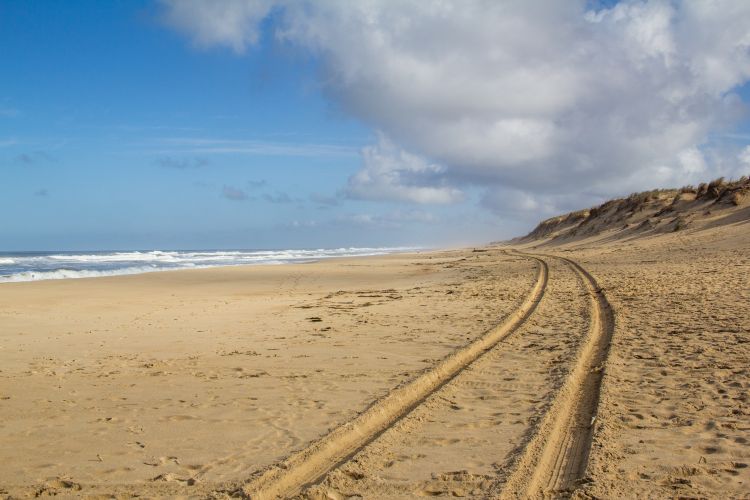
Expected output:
(32, 266)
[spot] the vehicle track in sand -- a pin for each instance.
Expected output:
(310, 464)
(463, 440)
(552, 451)
(554, 461)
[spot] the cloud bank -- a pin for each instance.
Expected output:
(534, 101)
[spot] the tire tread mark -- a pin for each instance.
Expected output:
(304, 467)
(556, 457)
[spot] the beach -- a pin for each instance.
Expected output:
(212, 374)
(210, 382)
(673, 415)
(377, 250)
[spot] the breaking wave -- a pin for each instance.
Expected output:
(33, 266)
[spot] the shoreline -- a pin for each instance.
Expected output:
(64, 273)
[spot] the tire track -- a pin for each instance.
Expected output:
(464, 438)
(308, 465)
(555, 459)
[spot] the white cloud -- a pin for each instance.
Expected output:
(521, 205)
(390, 173)
(644, 26)
(234, 23)
(693, 163)
(540, 98)
(744, 157)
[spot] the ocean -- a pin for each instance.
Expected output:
(33, 266)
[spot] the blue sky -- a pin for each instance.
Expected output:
(117, 133)
(123, 125)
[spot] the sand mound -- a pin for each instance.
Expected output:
(651, 212)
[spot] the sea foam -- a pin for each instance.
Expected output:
(34, 266)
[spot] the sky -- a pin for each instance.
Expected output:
(184, 124)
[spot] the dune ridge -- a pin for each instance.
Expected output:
(646, 213)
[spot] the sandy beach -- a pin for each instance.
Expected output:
(673, 416)
(206, 376)
(207, 382)
(376, 250)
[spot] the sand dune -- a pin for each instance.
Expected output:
(650, 213)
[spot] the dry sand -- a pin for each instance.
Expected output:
(209, 375)
(624, 377)
(674, 416)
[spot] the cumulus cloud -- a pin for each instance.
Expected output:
(538, 98)
(514, 201)
(390, 173)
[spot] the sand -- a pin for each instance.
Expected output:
(621, 372)
(205, 376)
(674, 419)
